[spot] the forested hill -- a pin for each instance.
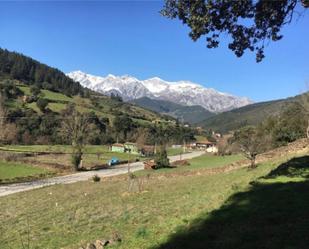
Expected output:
(17, 66)
(247, 115)
(190, 114)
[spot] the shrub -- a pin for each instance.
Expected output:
(11, 157)
(96, 178)
(35, 90)
(42, 104)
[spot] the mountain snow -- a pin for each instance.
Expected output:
(181, 92)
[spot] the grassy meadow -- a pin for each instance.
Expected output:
(261, 208)
(12, 170)
(207, 161)
(95, 155)
(57, 162)
(104, 108)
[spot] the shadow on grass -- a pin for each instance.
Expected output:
(296, 167)
(268, 216)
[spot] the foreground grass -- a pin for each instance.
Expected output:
(211, 161)
(12, 170)
(66, 216)
(271, 213)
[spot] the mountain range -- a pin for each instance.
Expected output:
(180, 92)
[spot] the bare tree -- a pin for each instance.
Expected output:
(2, 119)
(75, 128)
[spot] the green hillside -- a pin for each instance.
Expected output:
(34, 108)
(102, 106)
(190, 114)
(247, 115)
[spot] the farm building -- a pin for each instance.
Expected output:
(207, 146)
(125, 148)
(131, 148)
(118, 148)
(203, 145)
(148, 150)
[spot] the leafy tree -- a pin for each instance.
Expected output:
(50, 122)
(35, 91)
(304, 104)
(251, 143)
(9, 90)
(248, 23)
(161, 159)
(123, 124)
(291, 125)
(42, 104)
(116, 97)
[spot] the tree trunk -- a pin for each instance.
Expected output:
(252, 165)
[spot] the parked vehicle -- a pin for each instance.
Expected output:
(113, 161)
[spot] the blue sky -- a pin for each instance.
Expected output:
(132, 38)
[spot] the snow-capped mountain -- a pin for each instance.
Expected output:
(181, 92)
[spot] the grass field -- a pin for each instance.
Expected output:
(48, 94)
(94, 154)
(12, 170)
(239, 209)
(104, 108)
(206, 161)
(56, 148)
(211, 161)
(174, 151)
(68, 148)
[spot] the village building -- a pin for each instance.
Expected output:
(118, 148)
(131, 148)
(207, 146)
(203, 145)
(148, 150)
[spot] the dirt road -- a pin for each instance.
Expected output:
(82, 176)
